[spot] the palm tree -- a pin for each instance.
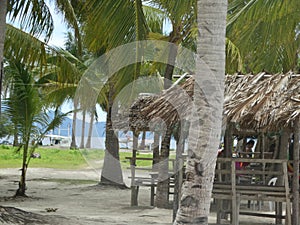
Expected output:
(26, 108)
(126, 24)
(60, 79)
(90, 132)
(182, 16)
(204, 139)
(266, 33)
(32, 15)
(3, 4)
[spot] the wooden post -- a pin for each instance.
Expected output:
(134, 187)
(263, 146)
(288, 216)
(178, 172)
(284, 139)
(296, 173)
(228, 141)
(235, 211)
(156, 152)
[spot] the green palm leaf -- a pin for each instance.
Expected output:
(32, 15)
(266, 33)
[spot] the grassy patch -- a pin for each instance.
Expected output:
(50, 158)
(64, 158)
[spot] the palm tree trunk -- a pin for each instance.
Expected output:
(178, 166)
(22, 183)
(171, 61)
(143, 142)
(207, 112)
(83, 129)
(111, 171)
(89, 139)
(73, 141)
(3, 8)
(162, 194)
(155, 152)
(15, 141)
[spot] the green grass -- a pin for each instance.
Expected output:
(62, 158)
(50, 158)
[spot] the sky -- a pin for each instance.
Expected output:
(60, 29)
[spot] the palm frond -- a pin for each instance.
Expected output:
(266, 33)
(32, 15)
(115, 23)
(66, 8)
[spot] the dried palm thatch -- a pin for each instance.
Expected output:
(265, 102)
(172, 105)
(259, 102)
(132, 118)
(137, 120)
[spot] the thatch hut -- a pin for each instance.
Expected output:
(255, 105)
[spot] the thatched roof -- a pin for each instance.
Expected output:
(266, 102)
(173, 104)
(137, 120)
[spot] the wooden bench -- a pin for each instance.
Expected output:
(149, 180)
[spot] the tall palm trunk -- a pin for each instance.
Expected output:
(73, 141)
(207, 112)
(16, 141)
(155, 151)
(83, 129)
(162, 194)
(3, 8)
(89, 139)
(143, 142)
(111, 171)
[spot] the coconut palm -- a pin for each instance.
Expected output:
(127, 23)
(93, 114)
(266, 32)
(33, 16)
(204, 139)
(60, 79)
(182, 17)
(3, 4)
(26, 107)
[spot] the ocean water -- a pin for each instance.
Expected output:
(99, 143)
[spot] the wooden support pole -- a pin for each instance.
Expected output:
(178, 172)
(235, 211)
(134, 187)
(296, 173)
(228, 141)
(284, 140)
(287, 194)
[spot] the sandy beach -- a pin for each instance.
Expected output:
(73, 197)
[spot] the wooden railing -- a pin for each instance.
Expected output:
(229, 185)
